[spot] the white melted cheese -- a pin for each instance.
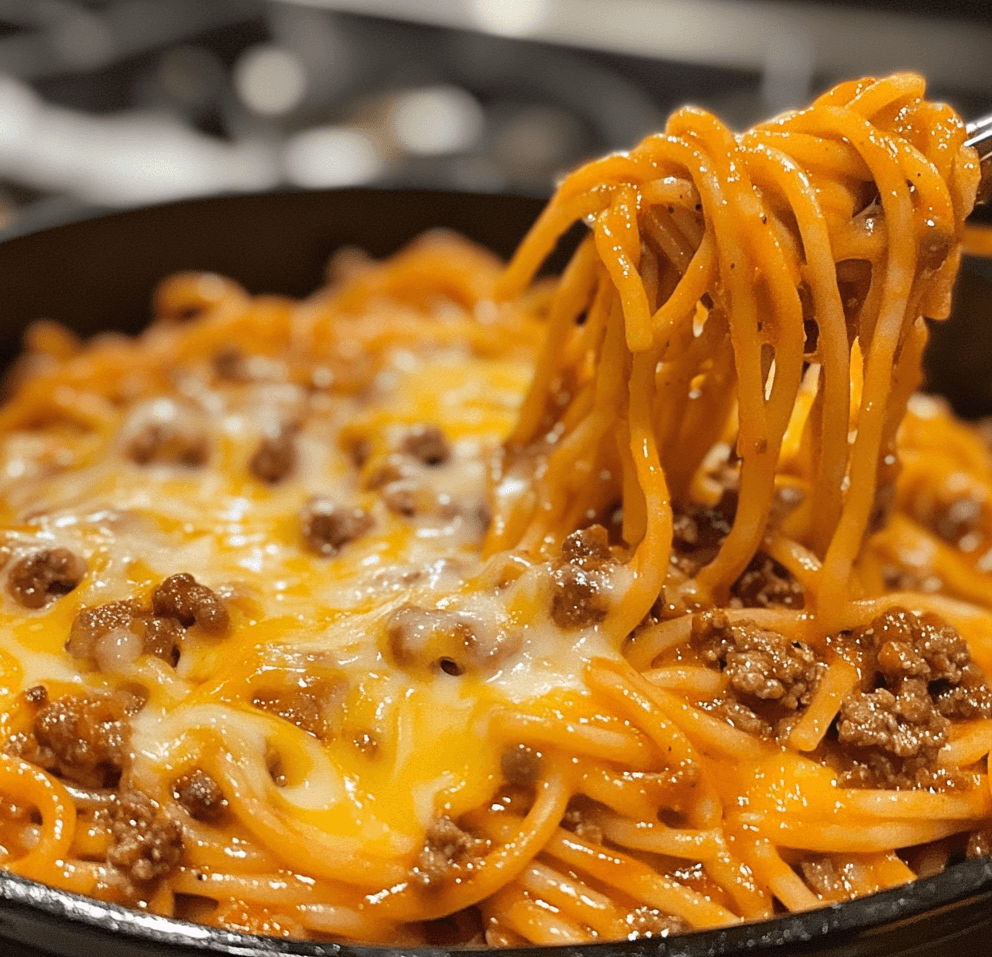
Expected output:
(297, 614)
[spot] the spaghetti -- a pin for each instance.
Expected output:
(348, 632)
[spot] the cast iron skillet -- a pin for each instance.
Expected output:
(97, 274)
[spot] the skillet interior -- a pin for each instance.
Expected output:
(98, 274)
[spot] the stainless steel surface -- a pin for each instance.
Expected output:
(123, 103)
(802, 39)
(980, 137)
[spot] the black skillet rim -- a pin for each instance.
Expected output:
(28, 909)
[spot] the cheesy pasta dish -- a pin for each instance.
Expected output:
(452, 606)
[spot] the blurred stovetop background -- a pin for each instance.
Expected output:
(116, 103)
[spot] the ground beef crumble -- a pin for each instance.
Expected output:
(274, 459)
(429, 642)
(427, 444)
(328, 526)
(521, 766)
(311, 707)
(580, 583)
(106, 635)
(698, 533)
(771, 676)
(168, 433)
(904, 724)
(765, 583)
(201, 796)
(113, 622)
(146, 843)
(448, 854)
(83, 739)
(918, 678)
(182, 597)
(41, 576)
(979, 844)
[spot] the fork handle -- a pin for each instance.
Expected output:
(980, 136)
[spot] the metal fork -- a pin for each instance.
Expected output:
(980, 136)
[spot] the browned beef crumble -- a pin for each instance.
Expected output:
(327, 526)
(275, 457)
(176, 442)
(894, 738)
(146, 843)
(91, 624)
(448, 852)
(970, 698)
(588, 548)
(771, 676)
(913, 646)
(44, 575)
(201, 796)
(232, 364)
(394, 468)
(979, 844)
(427, 444)
(160, 636)
(81, 738)
(739, 715)
(699, 531)
(959, 521)
(163, 638)
(918, 678)
(403, 497)
(177, 604)
(578, 820)
(580, 584)
(366, 742)
(182, 597)
(521, 766)
(578, 597)
(431, 641)
(36, 696)
(765, 583)
(310, 707)
(759, 663)
(698, 534)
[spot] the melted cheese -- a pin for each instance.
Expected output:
(431, 748)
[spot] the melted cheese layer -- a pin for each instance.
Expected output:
(402, 742)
